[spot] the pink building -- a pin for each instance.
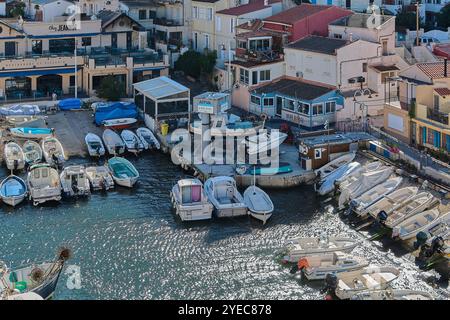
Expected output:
(304, 20)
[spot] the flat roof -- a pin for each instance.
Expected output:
(159, 88)
(246, 8)
(359, 20)
(293, 88)
(318, 44)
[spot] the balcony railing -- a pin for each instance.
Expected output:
(167, 22)
(258, 55)
(438, 116)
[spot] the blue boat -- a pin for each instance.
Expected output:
(70, 104)
(31, 133)
(13, 190)
(283, 167)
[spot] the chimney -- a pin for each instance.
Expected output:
(445, 68)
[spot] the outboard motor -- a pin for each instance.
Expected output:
(116, 150)
(421, 238)
(353, 204)
(437, 244)
(382, 216)
(331, 283)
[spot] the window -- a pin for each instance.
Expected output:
(386, 75)
(260, 45)
(268, 102)
(303, 108)
(61, 45)
(205, 13)
(289, 104)
(36, 46)
(195, 12)
(318, 153)
(209, 14)
(436, 102)
(330, 107)
(242, 44)
(244, 75)
(206, 41)
(264, 75)
(218, 24)
(254, 77)
(232, 25)
(317, 109)
(142, 14)
(86, 41)
(364, 67)
(151, 14)
(72, 81)
(255, 100)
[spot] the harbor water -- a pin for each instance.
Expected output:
(129, 244)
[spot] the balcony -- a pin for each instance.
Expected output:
(438, 116)
(167, 22)
(36, 61)
(102, 58)
(399, 102)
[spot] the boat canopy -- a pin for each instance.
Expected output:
(115, 111)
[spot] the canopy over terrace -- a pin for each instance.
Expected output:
(162, 98)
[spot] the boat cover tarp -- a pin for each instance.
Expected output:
(115, 111)
(70, 104)
(20, 110)
(328, 183)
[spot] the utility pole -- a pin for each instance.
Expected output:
(75, 64)
(417, 23)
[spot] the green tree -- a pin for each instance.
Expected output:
(18, 10)
(196, 64)
(111, 88)
(406, 19)
(443, 18)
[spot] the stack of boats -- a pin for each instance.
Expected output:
(219, 195)
(346, 276)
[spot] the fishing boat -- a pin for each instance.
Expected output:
(190, 201)
(113, 142)
(123, 172)
(119, 124)
(14, 157)
(264, 169)
(259, 204)
(31, 133)
(99, 178)
(148, 139)
(43, 184)
(327, 184)
(227, 125)
(345, 285)
(32, 152)
(132, 142)
(410, 227)
(40, 279)
(94, 145)
(301, 247)
(316, 267)
(53, 151)
(345, 181)
(26, 121)
(264, 142)
(334, 165)
(375, 194)
(390, 202)
(225, 197)
(74, 181)
(419, 203)
(392, 294)
(13, 190)
(366, 182)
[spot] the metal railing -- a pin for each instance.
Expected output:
(438, 116)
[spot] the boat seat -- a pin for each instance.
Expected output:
(370, 282)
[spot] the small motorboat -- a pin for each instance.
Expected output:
(334, 165)
(345, 181)
(74, 181)
(410, 227)
(132, 142)
(119, 124)
(190, 201)
(32, 133)
(13, 190)
(265, 169)
(113, 142)
(366, 182)
(260, 144)
(375, 194)
(43, 183)
(418, 203)
(316, 267)
(32, 151)
(392, 294)
(302, 247)
(14, 157)
(20, 110)
(53, 151)
(70, 104)
(100, 178)
(345, 285)
(40, 279)
(148, 138)
(225, 197)
(390, 202)
(123, 172)
(435, 238)
(259, 204)
(327, 185)
(26, 121)
(94, 145)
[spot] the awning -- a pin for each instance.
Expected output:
(147, 69)
(42, 72)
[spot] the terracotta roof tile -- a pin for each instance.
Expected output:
(443, 91)
(434, 70)
(297, 13)
(246, 8)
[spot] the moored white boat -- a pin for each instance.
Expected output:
(31, 133)
(345, 181)
(32, 152)
(334, 164)
(316, 267)
(300, 247)
(347, 284)
(375, 194)
(328, 184)
(263, 142)
(13, 190)
(53, 151)
(392, 294)
(94, 145)
(226, 199)
(132, 142)
(118, 124)
(113, 142)
(43, 184)
(190, 201)
(148, 138)
(74, 181)
(259, 204)
(410, 227)
(99, 178)
(13, 156)
(123, 172)
(390, 202)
